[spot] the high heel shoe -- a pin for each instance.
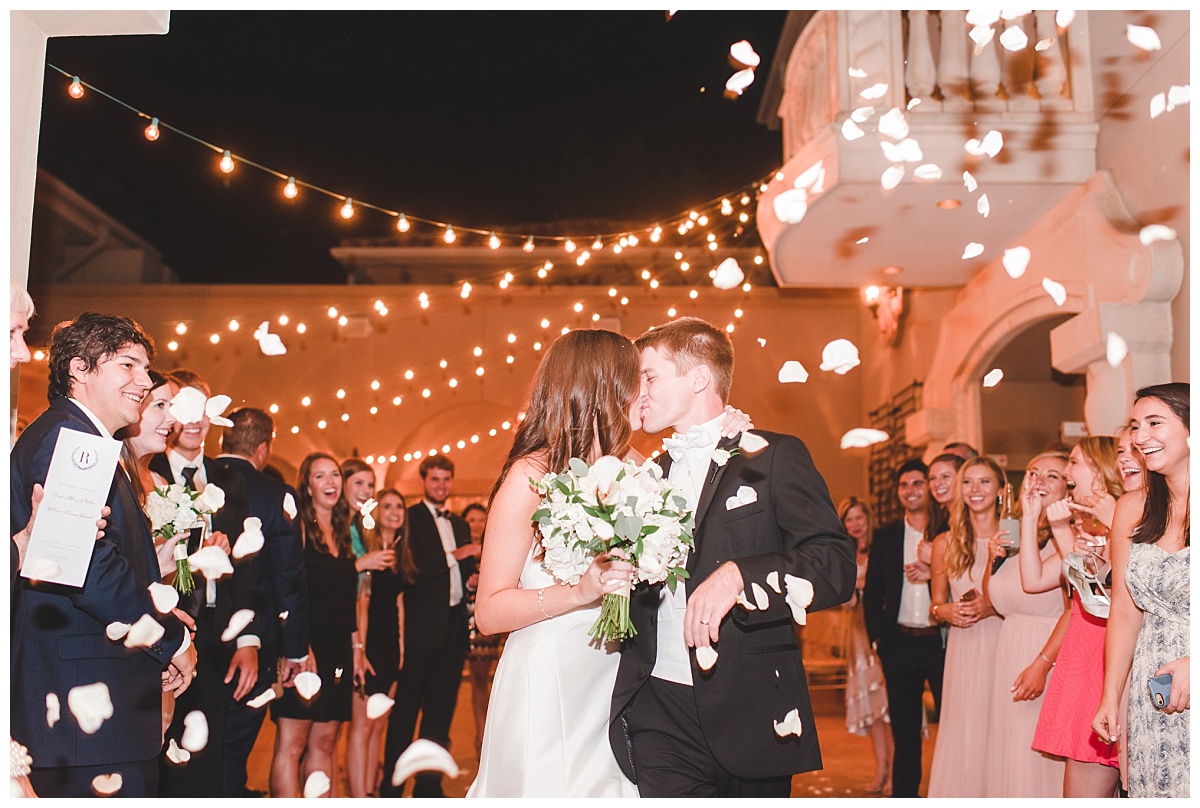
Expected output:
(1093, 595)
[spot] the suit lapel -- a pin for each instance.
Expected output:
(713, 480)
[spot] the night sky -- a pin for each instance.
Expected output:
(484, 119)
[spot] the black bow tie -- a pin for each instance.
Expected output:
(443, 513)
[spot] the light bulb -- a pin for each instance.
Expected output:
(402, 224)
(333, 312)
(656, 234)
(737, 312)
(504, 283)
(617, 248)
(537, 346)
(466, 290)
(449, 236)
(541, 273)
(758, 259)
(597, 244)
(295, 430)
(375, 384)
(645, 274)
(729, 328)
(528, 247)
(234, 325)
(214, 339)
(445, 448)
(745, 200)
(304, 402)
(425, 393)
(383, 310)
(693, 294)
(693, 215)
(321, 424)
(152, 130)
(301, 328)
(578, 307)
(633, 241)
(671, 312)
(712, 245)
(348, 209)
(745, 287)
(443, 364)
(341, 393)
(479, 370)
(408, 374)
(711, 237)
(547, 266)
(569, 246)
(474, 439)
(494, 241)
(171, 346)
(75, 90)
(684, 266)
(453, 382)
(624, 301)
(654, 283)
(462, 444)
(343, 320)
(283, 319)
(274, 408)
(345, 416)
(290, 190)
(226, 163)
(512, 338)
(478, 351)
(181, 329)
(702, 221)
(612, 292)
(371, 459)
(408, 457)
(492, 432)
(396, 401)
(391, 458)
(743, 217)
(505, 425)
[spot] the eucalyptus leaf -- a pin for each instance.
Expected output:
(578, 467)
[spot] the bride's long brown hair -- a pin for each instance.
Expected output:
(580, 396)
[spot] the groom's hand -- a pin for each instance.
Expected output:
(708, 604)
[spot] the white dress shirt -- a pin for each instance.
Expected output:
(446, 532)
(914, 598)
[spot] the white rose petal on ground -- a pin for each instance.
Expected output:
(317, 785)
(116, 630)
(773, 581)
(1155, 232)
(875, 91)
(262, 698)
(270, 344)
(706, 657)
(289, 505)
(1014, 39)
(790, 725)
(739, 81)
(1064, 17)
(750, 443)
(1015, 260)
(105, 785)
(251, 540)
(195, 731)
(423, 756)
(211, 561)
(743, 53)
(799, 597)
(1115, 349)
(861, 437)
(840, 356)
(983, 206)
(928, 171)
(187, 406)
(1142, 37)
(761, 599)
(53, 709)
(165, 598)
(793, 371)
(851, 130)
(993, 377)
(789, 206)
(307, 684)
(972, 250)
(177, 755)
(378, 704)
(237, 621)
(969, 182)
(729, 274)
(40, 568)
(91, 706)
(1056, 291)
(145, 632)
(862, 114)
(891, 177)
(893, 124)
(1158, 105)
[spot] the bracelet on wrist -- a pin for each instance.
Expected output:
(541, 597)
(358, 646)
(1045, 659)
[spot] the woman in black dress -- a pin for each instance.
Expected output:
(308, 729)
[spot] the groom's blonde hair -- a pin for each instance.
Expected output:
(690, 341)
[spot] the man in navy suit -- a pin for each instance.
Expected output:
(98, 378)
(280, 579)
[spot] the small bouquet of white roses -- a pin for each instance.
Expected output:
(613, 505)
(175, 511)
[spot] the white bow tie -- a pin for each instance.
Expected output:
(695, 438)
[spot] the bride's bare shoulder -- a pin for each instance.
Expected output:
(525, 468)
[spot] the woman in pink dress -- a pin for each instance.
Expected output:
(1065, 725)
(1030, 638)
(960, 564)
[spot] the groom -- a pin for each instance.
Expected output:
(678, 730)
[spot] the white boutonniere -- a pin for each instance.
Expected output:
(721, 456)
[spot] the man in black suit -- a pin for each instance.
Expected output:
(896, 602)
(280, 579)
(436, 641)
(211, 607)
(761, 515)
(98, 378)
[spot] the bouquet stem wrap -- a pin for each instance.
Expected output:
(184, 582)
(613, 622)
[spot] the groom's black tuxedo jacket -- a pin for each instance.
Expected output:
(791, 529)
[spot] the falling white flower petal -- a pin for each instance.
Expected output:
(861, 114)
(217, 405)
(969, 182)
(1015, 260)
(912, 102)
(378, 704)
(1155, 232)
(981, 35)
(53, 709)
(262, 698)
(813, 177)
(116, 630)
(906, 151)
(875, 91)
(177, 755)
(307, 684)
(745, 603)
(1116, 349)
(790, 725)
(893, 124)
(840, 356)
(729, 274)
(861, 437)
(1056, 290)
(187, 406)
(928, 171)
(739, 81)
(983, 206)
(423, 755)
(91, 706)
(983, 16)
(993, 142)
(251, 539)
(761, 599)
(857, 73)
(891, 177)
(762, 343)
(1178, 95)
(1064, 17)
(165, 599)
(195, 731)
(289, 505)
(40, 568)
(1158, 105)
(993, 377)
(1014, 39)
(750, 443)
(974, 146)
(283, 616)
(270, 344)
(1142, 37)
(1044, 44)
(211, 561)
(105, 785)
(773, 581)
(743, 53)
(793, 371)
(789, 206)
(799, 597)
(145, 632)
(237, 621)
(972, 250)
(706, 657)
(317, 785)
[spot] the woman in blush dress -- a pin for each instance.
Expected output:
(485, 649)
(1029, 640)
(958, 597)
(866, 693)
(1150, 619)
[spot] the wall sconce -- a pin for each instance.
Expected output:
(887, 307)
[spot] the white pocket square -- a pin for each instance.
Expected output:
(744, 496)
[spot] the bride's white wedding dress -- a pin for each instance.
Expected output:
(547, 720)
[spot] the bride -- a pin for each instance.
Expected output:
(547, 722)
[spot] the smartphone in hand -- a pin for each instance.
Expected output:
(1160, 690)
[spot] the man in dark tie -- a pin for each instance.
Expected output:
(98, 377)
(211, 604)
(436, 641)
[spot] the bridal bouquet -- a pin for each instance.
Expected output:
(613, 505)
(175, 511)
